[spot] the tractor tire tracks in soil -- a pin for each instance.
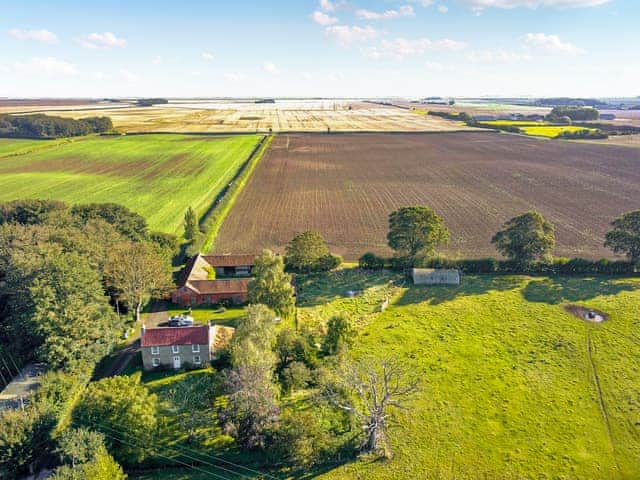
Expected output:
(603, 406)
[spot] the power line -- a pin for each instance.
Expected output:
(195, 452)
(168, 458)
(175, 448)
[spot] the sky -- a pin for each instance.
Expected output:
(330, 48)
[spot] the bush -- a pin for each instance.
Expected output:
(329, 262)
(370, 261)
(295, 377)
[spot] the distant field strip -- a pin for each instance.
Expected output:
(157, 176)
(346, 185)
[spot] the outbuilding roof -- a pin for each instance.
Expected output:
(222, 286)
(230, 260)
(165, 336)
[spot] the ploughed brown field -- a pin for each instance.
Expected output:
(345, 186)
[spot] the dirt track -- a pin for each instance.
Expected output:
(346, 185)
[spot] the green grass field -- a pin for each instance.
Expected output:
(508, 386)
(157, 176)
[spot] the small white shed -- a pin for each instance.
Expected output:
(435, 276)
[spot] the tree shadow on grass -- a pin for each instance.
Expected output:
(321, 288)
(469, 286)
(555, 290)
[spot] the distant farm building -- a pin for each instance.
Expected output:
(607, 116)
(435, 276)
(210, 279)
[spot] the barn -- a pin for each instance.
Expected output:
(435, 276)
(210, 279)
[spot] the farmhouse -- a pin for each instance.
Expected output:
(212, 279)
(434, 276)
(176, 347)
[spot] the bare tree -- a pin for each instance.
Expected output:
(375, 388)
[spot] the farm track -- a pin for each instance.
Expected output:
(603, 405)
(345, 185)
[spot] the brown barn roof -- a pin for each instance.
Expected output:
(164, 336)
(227, 286)
(230, 260)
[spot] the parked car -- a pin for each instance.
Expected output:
(180, 321)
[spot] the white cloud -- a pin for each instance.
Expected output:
(400, 48)
(336, 76)
(105, 40)
(479, 4)
(551, 44)
(270, 68)
(323, 19)
(49, 67)
(443, 8)
(157, 60)
(346, 35)
(434, 66)
(306, 76)
(424, 3)
(403, 11)
(234, 77)
(128, 76)
(327, 6)
(498, 56)
(44, 36)
(207, 56)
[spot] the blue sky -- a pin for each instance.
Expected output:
(320, 48)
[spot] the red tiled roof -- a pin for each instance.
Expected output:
(164, 336)
(226, 286)
(230, 260)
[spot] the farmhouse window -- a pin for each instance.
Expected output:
(156, 362)
(155, 350)
(195, 348)
(175, 349)
(196, 360)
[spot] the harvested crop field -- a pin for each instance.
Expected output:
(346, 185)
(157, 176)
(282, 116)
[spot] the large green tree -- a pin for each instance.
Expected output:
(416, 230)
(307, 251)
(70, 314)
(526, 238)
(252, 412)
(624, 237)
(340, 334)
(190, 225)
(125, 412)
(271, 286)
(136, 271)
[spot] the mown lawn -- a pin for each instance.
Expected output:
(157, 176)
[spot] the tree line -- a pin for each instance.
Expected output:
(47, 126)
(527, 241)
(73, 279)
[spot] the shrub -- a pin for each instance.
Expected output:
(295, 377)
(370, 261)
(329, 262)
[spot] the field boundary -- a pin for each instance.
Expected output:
(225, 199)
